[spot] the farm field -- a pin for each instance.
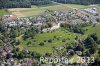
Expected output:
(3, 12)
(37, 10)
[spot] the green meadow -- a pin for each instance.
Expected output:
(3, 12)
(57, 38)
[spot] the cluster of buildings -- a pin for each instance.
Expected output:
(92, 11)
(88, 16)
(12, 21)
(4, 51)
(76, 16)
(6, 58)
(13, 62)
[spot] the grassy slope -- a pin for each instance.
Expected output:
(57, 43)
(92, 30)
(48, 46)
(3, 12)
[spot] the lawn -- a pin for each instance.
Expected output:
(3, 12)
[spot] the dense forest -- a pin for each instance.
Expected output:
(28, 3)
(22, 3)
(14, 3)
(84, 2)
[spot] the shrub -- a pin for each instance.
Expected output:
(41, 44)
(50, 40)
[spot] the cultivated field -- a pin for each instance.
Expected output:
(3, 12)
(37, 10)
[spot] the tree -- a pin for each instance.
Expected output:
(80, 48)
(62, 25)
(41, 44)
(21, 55)
(28, 3)
(91, 45)
(8, 56)
(88, 53)
(50, 40)
(49, 24)
(92, 50)
(26, 35)
(2, 3)
(22, 3)
(89, 41)
(63, 40)
(17, 43)
(85, 2)
(2, 28)
(94, 36)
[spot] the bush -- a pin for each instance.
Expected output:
(49, 25)
(44, 40)
(63, 40)
(41, 44)
(17, 43)
(55, 36)
(50, 40)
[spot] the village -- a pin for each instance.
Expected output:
(49, 21)
(75, 16)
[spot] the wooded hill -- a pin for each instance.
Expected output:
(83, 2)
(28, 3)
(22, 3)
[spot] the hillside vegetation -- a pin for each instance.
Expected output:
(43, 43)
